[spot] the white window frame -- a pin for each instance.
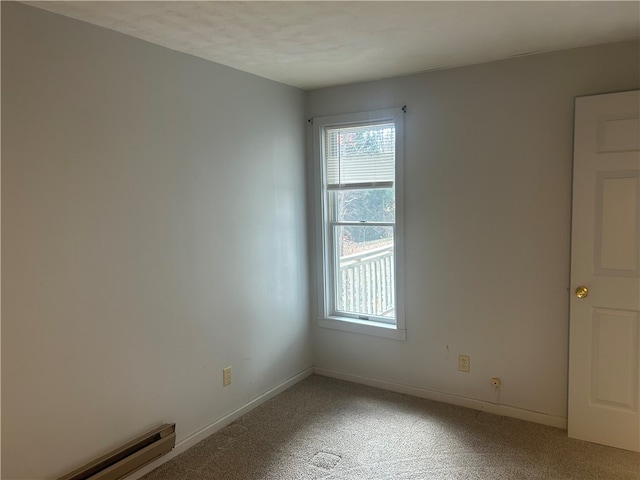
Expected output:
(326, 316)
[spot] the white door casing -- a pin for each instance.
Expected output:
(604, 339)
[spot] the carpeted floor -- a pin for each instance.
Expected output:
(324, 428)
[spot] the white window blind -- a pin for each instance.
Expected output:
(360, 156)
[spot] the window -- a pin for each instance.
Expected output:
(359, 222)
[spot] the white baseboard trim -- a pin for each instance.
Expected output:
(481, 405)
(203, 433)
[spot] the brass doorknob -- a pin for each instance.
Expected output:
(582, 291)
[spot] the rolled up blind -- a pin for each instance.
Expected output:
(362, 156)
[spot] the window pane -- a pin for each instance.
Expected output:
(366, 205)
(365, 282)
(360, 154)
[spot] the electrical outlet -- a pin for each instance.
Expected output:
(495, 381)
(226, 376)
(464, 363)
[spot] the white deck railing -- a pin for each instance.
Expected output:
(366, 282)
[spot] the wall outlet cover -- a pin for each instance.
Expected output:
(464, 363)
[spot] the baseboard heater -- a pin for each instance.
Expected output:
(129, 457)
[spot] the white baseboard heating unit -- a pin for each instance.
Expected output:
(129, 457)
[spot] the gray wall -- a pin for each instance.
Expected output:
(488, 154)
(153, 218)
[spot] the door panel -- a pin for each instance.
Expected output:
(614, 372)
(604, 340)
(616, 223)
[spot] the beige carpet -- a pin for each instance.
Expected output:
(329, 429)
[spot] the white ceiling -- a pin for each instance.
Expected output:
(313, 44)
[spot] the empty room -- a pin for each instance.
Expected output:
(322, 240)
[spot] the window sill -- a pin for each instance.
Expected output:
(363, 327)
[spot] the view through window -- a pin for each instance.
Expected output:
(360, 165)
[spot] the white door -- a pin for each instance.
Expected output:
(604, 340)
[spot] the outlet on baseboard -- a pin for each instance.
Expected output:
(226, 376)
(464, 363)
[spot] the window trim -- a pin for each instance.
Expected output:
(325, 319)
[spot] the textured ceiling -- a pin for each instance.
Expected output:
(315, 44)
